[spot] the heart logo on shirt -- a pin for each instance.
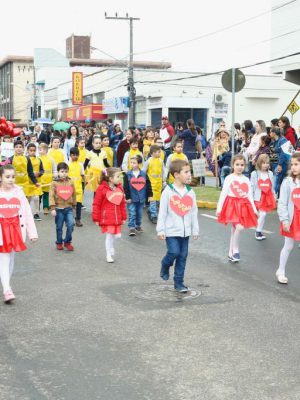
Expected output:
(239, 189)
(296, 198)
(9, 208)
(264, 185)
(181, 205)
(64, 192)
(115, 196)
(138, 183)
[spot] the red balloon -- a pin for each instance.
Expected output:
(9, 127)
(2, 119)
(16, 132)
(13, 124)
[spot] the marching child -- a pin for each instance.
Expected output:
(50, 171)
(262, 181)
(133, 151)
(148, 142)
(177, 221)
(22, 166)
(137, 189)
(108, 150)
(289, 214)
(96, 161)
(76, 173)
(177, 155)
(62, 198)
(109, 211)
(83, 152)
(236, 205)
(15, 221)
(160, 143)
(56, 152)
(154, 168)
(34, 189)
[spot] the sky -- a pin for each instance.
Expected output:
(162, 23)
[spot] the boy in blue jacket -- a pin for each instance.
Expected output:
(177, 221)
(137, 188)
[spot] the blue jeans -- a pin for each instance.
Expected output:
(153, 207)
(279, 177)
(64, 216)
(135, 214)
(177, 250)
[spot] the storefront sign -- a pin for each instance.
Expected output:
(116, 105)
(77, 88)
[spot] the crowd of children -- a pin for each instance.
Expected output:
(55, 179)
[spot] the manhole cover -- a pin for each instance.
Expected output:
(163, 292)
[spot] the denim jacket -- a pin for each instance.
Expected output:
(137, 196)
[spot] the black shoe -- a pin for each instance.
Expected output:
(36, 217)
(154, 220)
(132, 232)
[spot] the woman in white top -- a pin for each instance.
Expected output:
(73, 134)
(260, 130)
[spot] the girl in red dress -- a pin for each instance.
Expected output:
(236, 205)
(109, 211)
(262, 181)
(15, 221)
(289, 214)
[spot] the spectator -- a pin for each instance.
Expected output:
(72, 136)
(280, 167)
(124, 146)
(166, 133)
(189, 136)
(116, 136)
(288, 131)
(274, 123)
(260, 130)
(264, 148)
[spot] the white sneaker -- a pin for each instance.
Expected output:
(109, 258)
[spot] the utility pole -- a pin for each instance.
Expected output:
(34, 109)
(130, 87)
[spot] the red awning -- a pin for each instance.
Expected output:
(82, 113)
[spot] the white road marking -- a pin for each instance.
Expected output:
(214, 217)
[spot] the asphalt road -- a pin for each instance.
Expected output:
(84, 329)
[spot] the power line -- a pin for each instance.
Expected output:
(226, 28)
(219, 72)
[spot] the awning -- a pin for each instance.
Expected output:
(83, 113)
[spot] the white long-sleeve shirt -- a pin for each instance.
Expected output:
(238, 186)
(254, 144)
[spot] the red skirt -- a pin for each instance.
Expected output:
(238, 211)
(294, 231)
(113, 229)
(267, 202)
(11, 235)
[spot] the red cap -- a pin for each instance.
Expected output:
(164, 117)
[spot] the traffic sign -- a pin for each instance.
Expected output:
(293, 107)
(240, 80)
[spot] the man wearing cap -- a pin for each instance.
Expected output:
(166, 133)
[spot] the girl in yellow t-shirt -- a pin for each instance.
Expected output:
(108, 150)
(96, 161)
(34, 190)
(50, 171)
(177, 155)
(148, 142)
(56, 152)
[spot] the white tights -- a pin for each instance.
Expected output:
(261, 221)
(6, 269)
(284, 255)
(109, 243)
(236, 229)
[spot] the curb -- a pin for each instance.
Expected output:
(207, 204)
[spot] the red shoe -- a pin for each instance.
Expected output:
(59, 246)
(69, 246)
